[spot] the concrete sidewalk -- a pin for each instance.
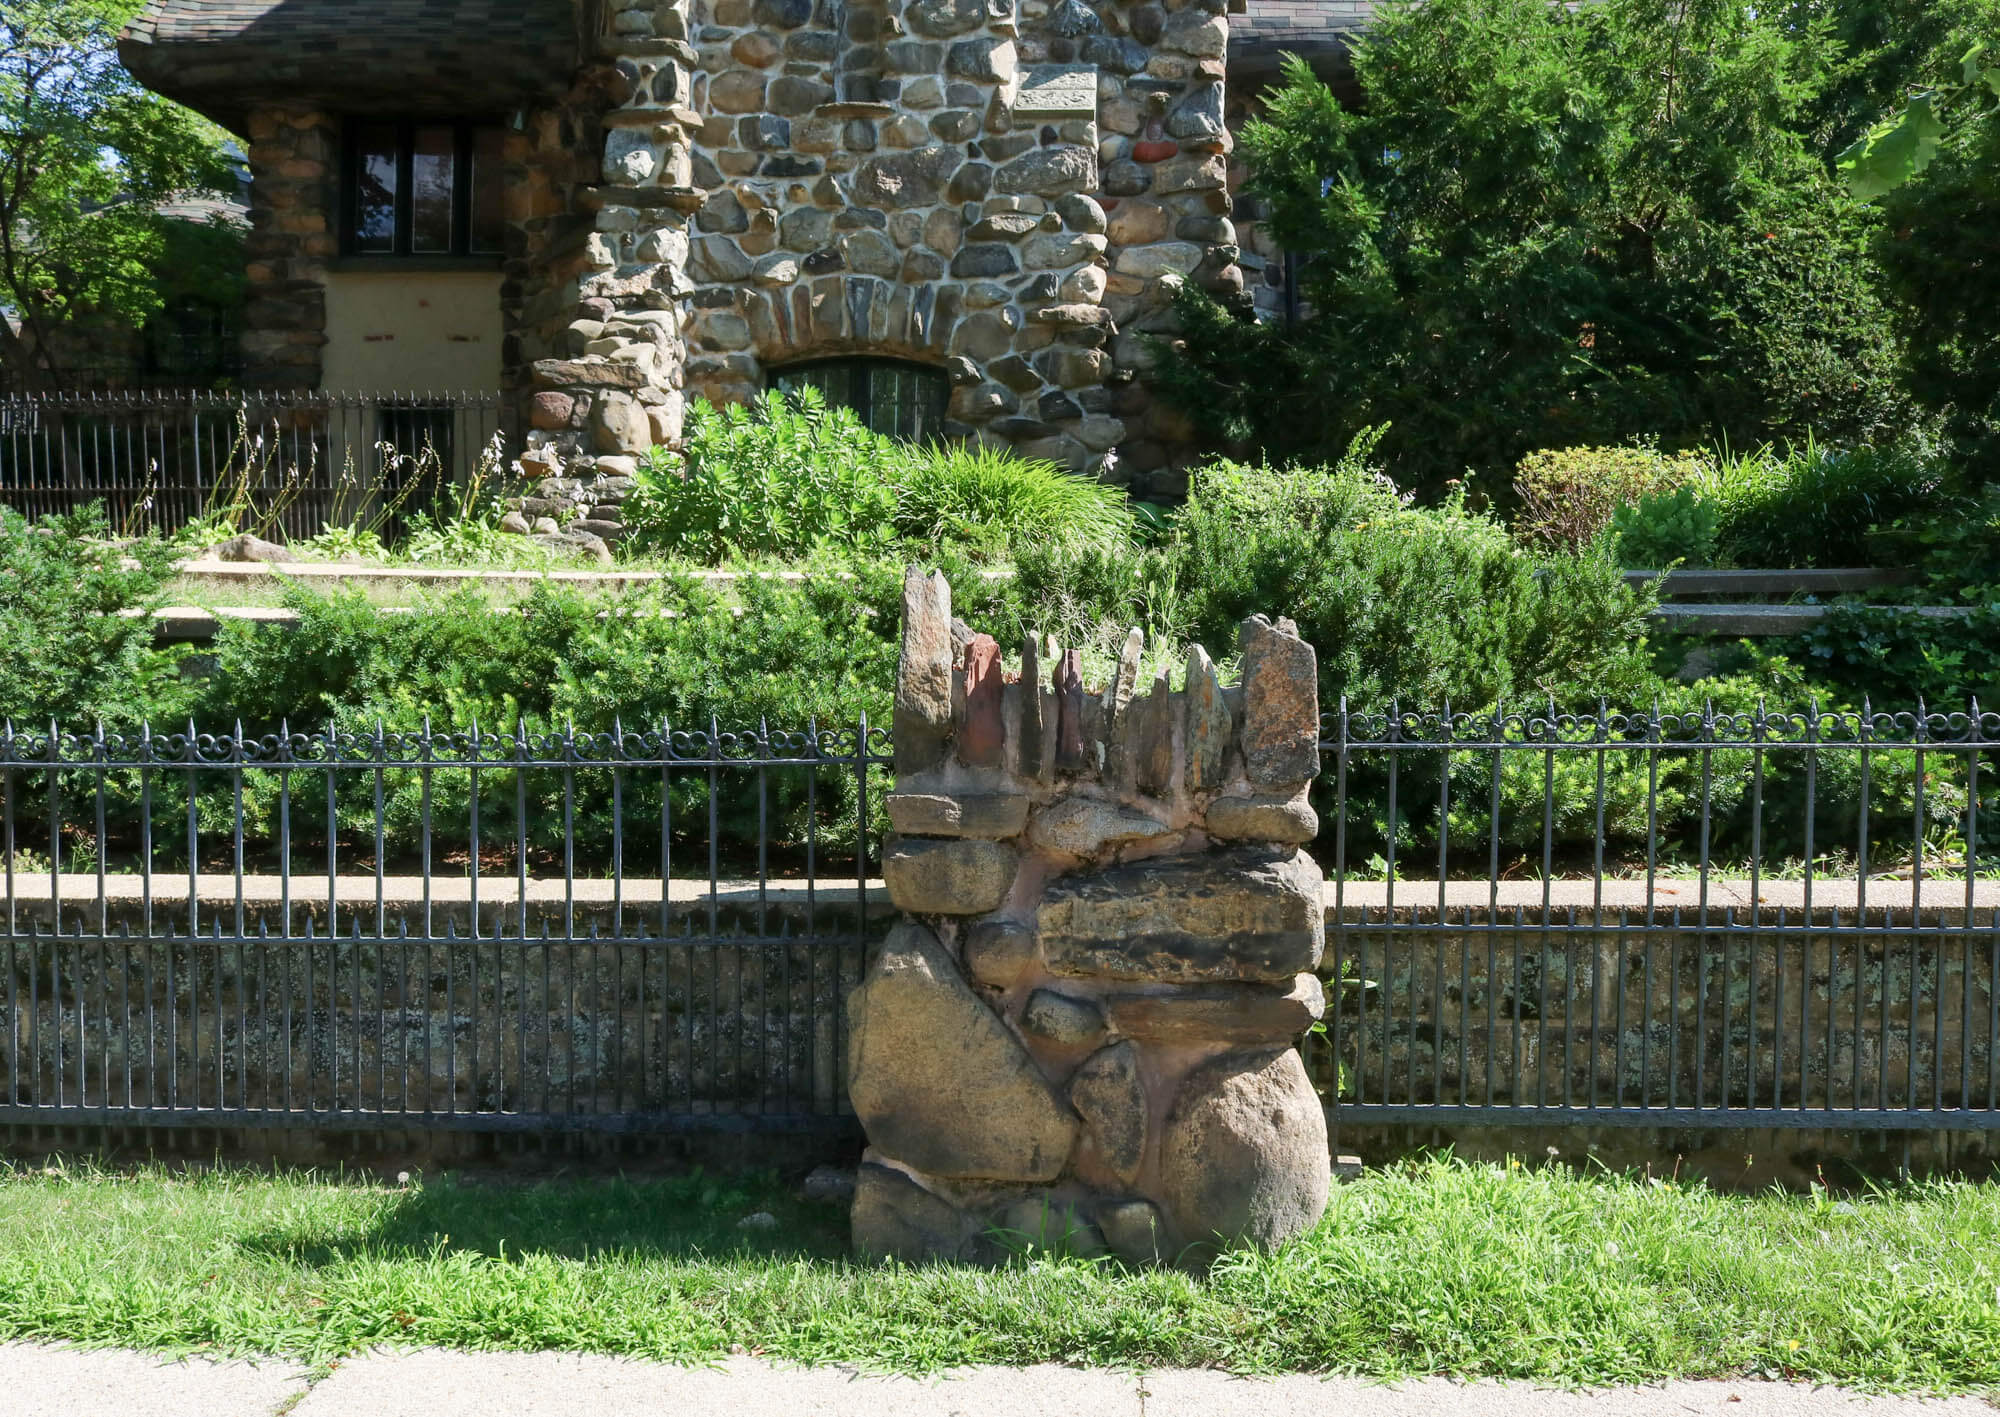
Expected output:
(59, 1382)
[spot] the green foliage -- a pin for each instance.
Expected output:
(1899, 658)
(1421, 604)
(1813, 506)
(1552, 226)
(1565, 1277)
(1955, 543)
(1665, 529)
(822, 650)
(75, 618)
(461, 525)
(1940, 250)
(1882, 51)
(1902, 145)
(1801, 327)
(784, 476)
(86, 157)
(977, 495)
(1567, 495)
(337, 542)
(788, 476)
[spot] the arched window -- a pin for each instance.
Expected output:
(891, 396)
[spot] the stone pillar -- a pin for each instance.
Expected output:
(1165, 176)
(1081, 1032)
(291, 155)
(614, 390)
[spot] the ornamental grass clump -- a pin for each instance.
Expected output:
(987, 498)
(790, 477)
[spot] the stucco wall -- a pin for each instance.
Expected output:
(400, 330)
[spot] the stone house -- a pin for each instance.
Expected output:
(957, 216)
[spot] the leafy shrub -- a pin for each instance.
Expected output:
(1568, 495)
(1664, 529)
(1955, 543)
(74, 616)
(1814, 506)
(1548, 228)
(979, 495)
(1939, 248)
(1420, 604)
(823, 647)
(822, 651)
(784, 476)
(1898, 658)
(788, 476)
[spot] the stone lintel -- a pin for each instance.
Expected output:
(679, 199)
(1055, 92)
(594, 373)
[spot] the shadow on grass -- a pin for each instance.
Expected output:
(686, 1217)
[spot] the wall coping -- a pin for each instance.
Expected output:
(1351, 901)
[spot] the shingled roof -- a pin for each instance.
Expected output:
(1318, 31)
(408, 57)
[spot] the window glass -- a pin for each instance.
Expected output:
(426, 189)
(375, 188)
(488, 217)
(891, 397)
(433, 155)
(901, 402)
(835, 379)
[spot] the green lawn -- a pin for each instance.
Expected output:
(1439, 1267)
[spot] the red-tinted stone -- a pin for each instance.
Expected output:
(981, 740)
(1208, 723)
(1158, 151)
(1031, 706)
(552, 410)
(1280, 703)
(923, 674)
(1069, 711)
(1154, 754)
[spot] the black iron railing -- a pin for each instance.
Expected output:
(291, 462)
(623, 931)
(1698, 920)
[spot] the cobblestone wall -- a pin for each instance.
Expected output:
(1007, 190)
(1012, 194)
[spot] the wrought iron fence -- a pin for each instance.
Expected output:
(1677, 920)
(634, 930)
(297, 461)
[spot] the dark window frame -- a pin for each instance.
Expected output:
(863, 367)
(464, 131)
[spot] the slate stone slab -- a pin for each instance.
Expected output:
(1247, 914)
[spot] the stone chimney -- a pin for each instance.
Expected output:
(1081, 1033)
